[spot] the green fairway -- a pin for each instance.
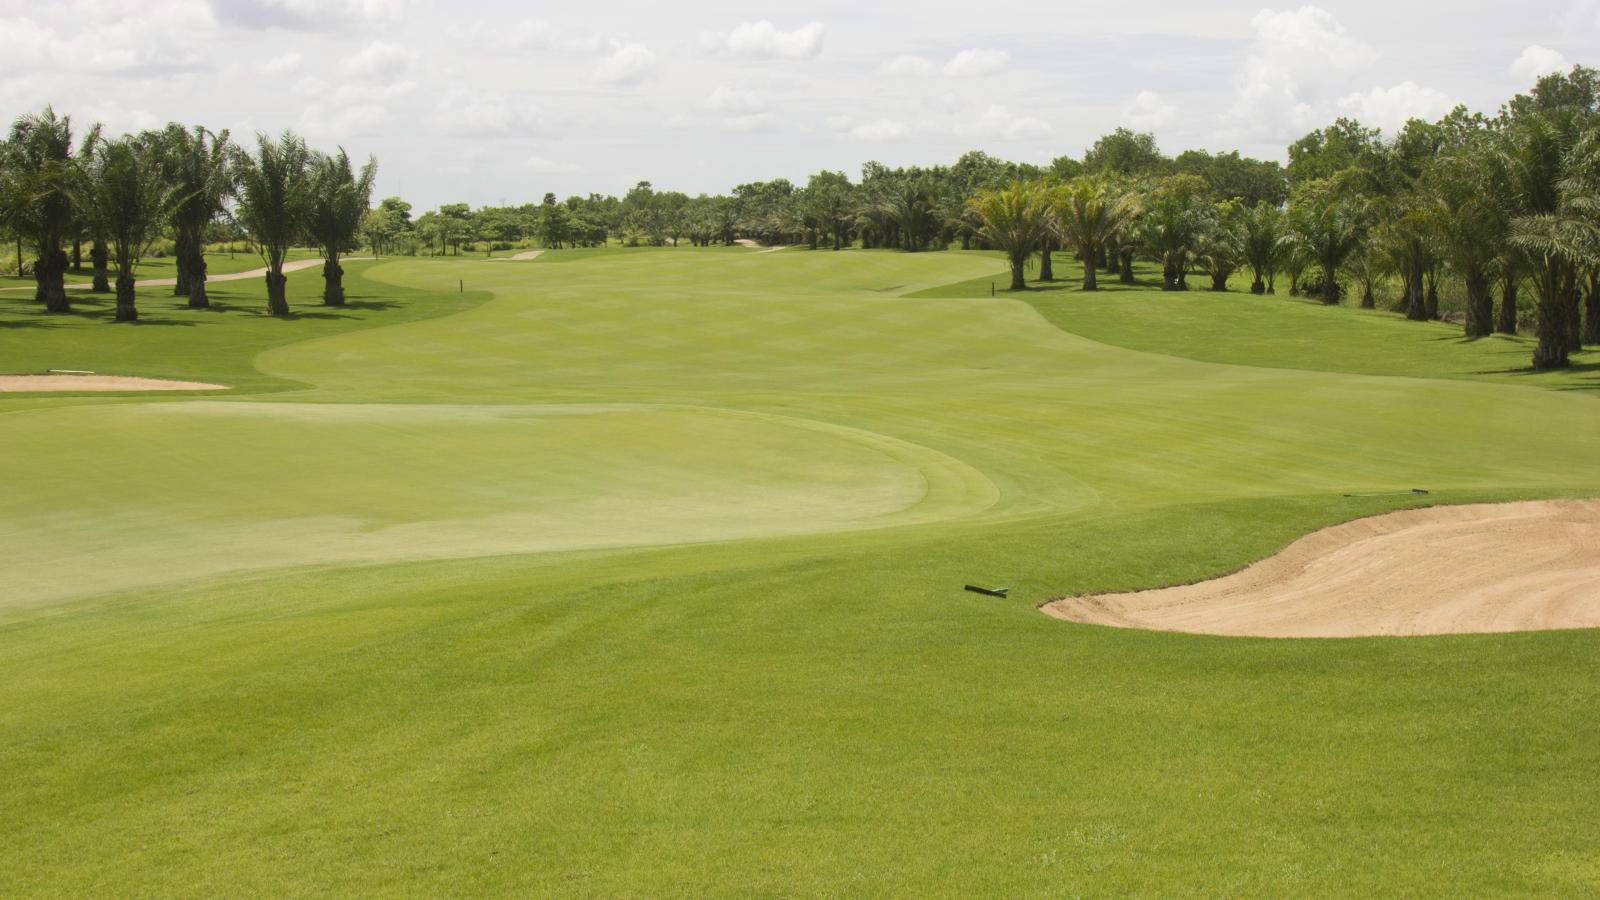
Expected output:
(641, 575)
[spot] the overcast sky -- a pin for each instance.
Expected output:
(484, 102)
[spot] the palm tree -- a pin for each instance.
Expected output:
(1175, 212)
(1262, 228)
(36, 196)
(1327, 226)
(1468, 191)
(124, 193)
(1544, 167)
(273, 186)
(197, 167)
(1220, 250)
(1012, 219)
(338, 202)
(1086, 214)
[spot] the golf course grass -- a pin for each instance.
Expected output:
(641, 575)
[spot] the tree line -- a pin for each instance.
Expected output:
(119, 195)
(1494, 203)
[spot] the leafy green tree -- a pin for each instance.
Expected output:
(1126, 152)
(125, 192)
(1326, 152)
(336, 206)
(1220, 250)
(1014, 220)
(1469, 190)
(39, 171)
(1175, 212)
(1263, 227)
(196, 163)
(1327, 225)
(1086, 214)
(274, 186)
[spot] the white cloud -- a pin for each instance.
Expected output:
(537, 34)
(763, 40)
(108, 38)
(286, 64)
(998, 121)
(1390, 108)
(486, 113)
(735, 100)
(750, 124)
(545, 166)
(626, 64)
(1537, 62)
(1147, 111)
(879, 130)
(907, 66)
(309, 15)
(1295, 64)
(976, 63)
(380, 61)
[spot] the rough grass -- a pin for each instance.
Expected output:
(801, 713)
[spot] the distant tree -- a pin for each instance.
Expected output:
(1262, 229)
(274, 185)
(1325, 152)
(1326, 225)
(1220, 248)
(1086, 213)
(1126, 152)
(125, 191)
(1175, 212)
(196, 164)
(1012, 219)
(1469, 194)
(36, 195)
(336, 206)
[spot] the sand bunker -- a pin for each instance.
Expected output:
(1443, 570)
(27, 383)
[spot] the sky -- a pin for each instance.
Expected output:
(501, 102)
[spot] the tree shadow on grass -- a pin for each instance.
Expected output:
(28, 323)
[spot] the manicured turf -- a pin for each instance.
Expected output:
(643, 577)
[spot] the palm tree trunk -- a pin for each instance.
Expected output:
(1508, 305)
(1574, 304)
(1219, 281)
(1368, 301)
(1018, 283)
(99, 258)
(127, 311)
(1091, 281)
(49, 272)
(1416, 305)
(277, 297)
(1431, 296)
(1480, 306)
(1046, 272)
(332, 281)
(1330, 285)
(1591, 318)
(1125, 275)
(1551, 352)
(198, 298)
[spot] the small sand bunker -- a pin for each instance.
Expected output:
(1443, 570)
(28, 383)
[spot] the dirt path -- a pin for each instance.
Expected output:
(756, 246)
(1443, 570)
(28, 383)
(290, 266)
(519, 257)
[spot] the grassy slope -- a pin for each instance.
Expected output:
(803, 714)
(1241, 329)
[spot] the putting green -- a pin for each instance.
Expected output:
(639, 573)
(498, 479)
